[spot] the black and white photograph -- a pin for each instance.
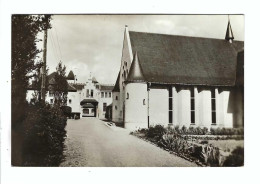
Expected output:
(128, 90)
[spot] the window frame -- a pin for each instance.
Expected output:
(213, 107)
(192, 106)
(104, 106)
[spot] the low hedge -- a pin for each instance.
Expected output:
(44, 135)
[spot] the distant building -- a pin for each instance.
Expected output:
(179, 80)
(88, 99)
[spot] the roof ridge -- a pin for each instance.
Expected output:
(182, 36)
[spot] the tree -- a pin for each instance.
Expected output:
(60, 87)
(25, 63)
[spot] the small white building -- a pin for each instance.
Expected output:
(88, 99)
(179, 80)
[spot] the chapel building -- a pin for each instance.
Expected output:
(179, 80)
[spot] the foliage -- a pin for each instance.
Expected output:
(211, 155)
(44, 135)
(156, 132)
(236, 158)
(66, 111)
(186, 143)
(24, 54)
(60, 88)
(227, 131)
(24, 66)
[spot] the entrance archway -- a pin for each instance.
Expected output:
(89, 107)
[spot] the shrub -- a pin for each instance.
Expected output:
(211, 155)
(156, 132)
(66, 111)
(236, 158)
(44, 135)
(227, 131)
(184, 130)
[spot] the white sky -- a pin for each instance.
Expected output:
(93, 43)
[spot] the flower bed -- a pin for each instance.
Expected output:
(204, 149)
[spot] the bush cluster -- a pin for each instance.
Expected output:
(156, 132)
(236, 158)
(227, 131)
(44, 135)
(176, 139)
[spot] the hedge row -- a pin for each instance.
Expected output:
(45, 133)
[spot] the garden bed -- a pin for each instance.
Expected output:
(204, 149)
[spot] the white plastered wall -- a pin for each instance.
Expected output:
(126, 60)
(158, 106)
(135, 111)
(115, 112)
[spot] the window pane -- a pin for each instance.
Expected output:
(192, 92)
(213, 117)
(104, 106)
(170, 116)
(192, 104)
(213, 104)
(193, 117)
(213, 95)
(170, 103)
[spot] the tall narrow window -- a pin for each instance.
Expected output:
(170, 105)
(127, 95)
(104, 107)
(192, 106)
(70, 101)
(102, 94)
(116, 97)
(92, 93)
(110, 94)
(105, 94)
(213, 106)
(87, 94)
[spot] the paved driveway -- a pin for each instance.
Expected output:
(91, 143)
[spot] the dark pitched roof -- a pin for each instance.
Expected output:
(51, 78)
(116, 87)
(240, 69)
(135, 73)
(106, 87)
(88, 105)
(71, 88)
(186, 60)
(78, 86)
(71, 76)
(93, 101)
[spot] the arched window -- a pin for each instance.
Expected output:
(127, 95)
(143, 101)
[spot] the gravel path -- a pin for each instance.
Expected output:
(91, 143)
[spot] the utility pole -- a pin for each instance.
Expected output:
(43, 90)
